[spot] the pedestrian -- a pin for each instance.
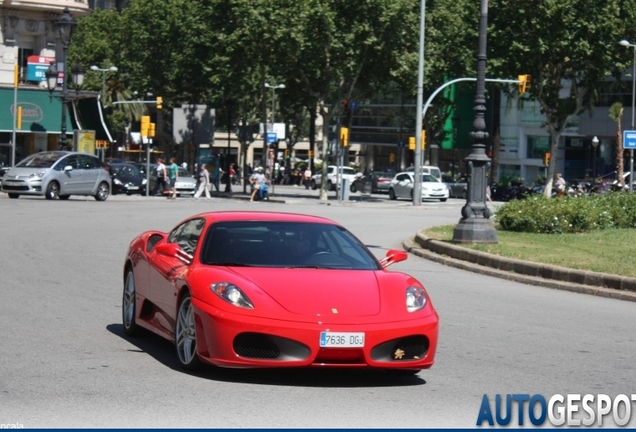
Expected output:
(162, 175)
(488, 197)
(173, 175)
(307, 177)
(559, 184)
(204, 183)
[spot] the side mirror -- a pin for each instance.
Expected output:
(393, 256)
(173, 250)
(68, 168)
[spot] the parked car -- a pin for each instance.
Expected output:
(58, 174)
(431, 188)
(223, 287)
(332, 177)
(186, 183)
(458, 188)
(427, 169)
(379, 180)
(127, 179)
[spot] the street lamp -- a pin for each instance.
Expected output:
(626, 43)
(103, 71)
(271, 162)
(595, 145)
(64, 26)
(475, 226)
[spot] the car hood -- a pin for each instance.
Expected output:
(136, 180)
(315, 292)
(24, 172)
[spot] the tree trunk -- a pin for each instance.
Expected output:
(619, 152)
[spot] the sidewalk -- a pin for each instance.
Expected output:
(549, 276)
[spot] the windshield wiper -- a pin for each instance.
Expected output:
(231, 264)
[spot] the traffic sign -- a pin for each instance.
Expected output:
(629, 139)
(272, 137)
(353, 105)
(401, 144)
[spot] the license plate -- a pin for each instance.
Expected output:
(341, 340)
(133, 187)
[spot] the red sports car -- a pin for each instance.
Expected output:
(260, 289)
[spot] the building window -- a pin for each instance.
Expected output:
(537, 146)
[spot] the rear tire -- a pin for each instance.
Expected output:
(14, 196)
(392, 194)
(313, 185)
(102, 192)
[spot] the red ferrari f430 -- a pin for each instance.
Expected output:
(266, 289)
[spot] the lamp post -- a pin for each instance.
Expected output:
(475, 226)
(631, 151)
(594, 145)
(64, 26)
(103, 71)
(271, 162)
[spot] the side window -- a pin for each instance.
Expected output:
(88, 162)
(72, 160)
(187, 235)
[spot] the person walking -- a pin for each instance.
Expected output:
(559, 183)
(204, 183)
(162, 175)
(307, 177)
(173, 174)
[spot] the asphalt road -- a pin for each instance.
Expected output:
(66, 363)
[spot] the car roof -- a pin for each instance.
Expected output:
(227, 216)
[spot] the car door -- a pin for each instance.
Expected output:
(70, 179)
(166, 272)
(402, 187)
(90, 173)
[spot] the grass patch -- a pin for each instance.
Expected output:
(610, 251)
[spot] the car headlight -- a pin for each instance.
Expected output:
(143, 182)
(117, 182)
(231, 294)
(37, 175)
(415, 299)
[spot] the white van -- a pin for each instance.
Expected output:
(428, 169)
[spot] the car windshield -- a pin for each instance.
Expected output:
(184, 173)
(125, 170)
(429, 178)
(40, 160)
(285, 244)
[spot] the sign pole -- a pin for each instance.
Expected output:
(629, 142)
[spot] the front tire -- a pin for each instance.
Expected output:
(392, 194)
(128, 305)
(185, 335)
(14, 196)
(102, 192)
(329, 186)
(52, 191)
(442, 199)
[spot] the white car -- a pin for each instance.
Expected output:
(432, 188)
(348, 173)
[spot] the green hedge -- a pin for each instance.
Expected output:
(538, 214)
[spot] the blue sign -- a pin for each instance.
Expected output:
(353, 105)
(401, 144)
(272, 137)
(629, 139)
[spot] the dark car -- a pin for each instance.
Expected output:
(127, 179)
(380, 181)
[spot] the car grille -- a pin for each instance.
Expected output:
(14, 187)
(404, 349)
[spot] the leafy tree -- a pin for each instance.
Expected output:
(568, 47)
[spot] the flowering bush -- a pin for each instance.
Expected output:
(538, 214)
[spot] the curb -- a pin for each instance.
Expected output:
(544, 275)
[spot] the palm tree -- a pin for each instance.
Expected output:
(615, 113)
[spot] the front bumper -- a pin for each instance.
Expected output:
(238, 341)
(23, 187)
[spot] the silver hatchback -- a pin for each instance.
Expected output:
(58, 174)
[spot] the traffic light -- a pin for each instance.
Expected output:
(286, 154)
(523, 83)
(546, 159)
(392, 157)
(159, 102)
(412, 141)
(19, 119)
(151, 130)
(145, 125)
(344, 136)
(311, 154)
